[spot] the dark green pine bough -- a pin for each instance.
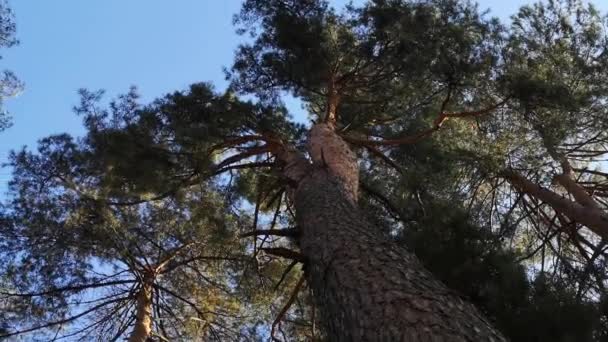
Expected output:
(435, 130)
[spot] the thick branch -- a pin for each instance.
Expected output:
(284, 253)
(437, 123)
(384, 201)
(242, 166)
(578, 192)
(595, 220)
(593, 172)
(376, 152)
(253, 151)
(566, 178)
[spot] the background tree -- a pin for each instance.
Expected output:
(523, 157)
(170, 268)
(9, 83)
(553, 91)
(85, 268)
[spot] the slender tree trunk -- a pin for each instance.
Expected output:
(143, 316)
(578, 192)
(366, 287)
(587, 212)
(566, 178)
(593, 218)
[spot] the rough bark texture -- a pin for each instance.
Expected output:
(329, 150)
(143, 316)
(593, 218)
(366, 287)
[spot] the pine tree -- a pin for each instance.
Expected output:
(436, 133)
(82, 268)
(10, 85)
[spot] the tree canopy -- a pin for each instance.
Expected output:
(444, 147)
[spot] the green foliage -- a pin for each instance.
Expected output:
(176, 142)
(472, 261)
(551, 304)
(64, 252)
(556, 65)
(9, 83)
(126, 196)
(196, 168)
(383, 59)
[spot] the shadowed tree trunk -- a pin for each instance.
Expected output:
(143, 315)
(366, 287)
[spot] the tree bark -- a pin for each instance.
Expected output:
(143, 315)
(366, 287)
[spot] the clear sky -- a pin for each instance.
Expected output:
(157, 45)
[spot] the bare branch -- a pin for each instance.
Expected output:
(63, 321)
(289, 232)
(294, 294)
(67, 288)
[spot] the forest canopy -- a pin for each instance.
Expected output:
(449, 184)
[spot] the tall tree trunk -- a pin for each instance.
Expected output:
(143, 316)
(366, 287)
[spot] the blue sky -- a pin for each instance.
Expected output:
(157, 45)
